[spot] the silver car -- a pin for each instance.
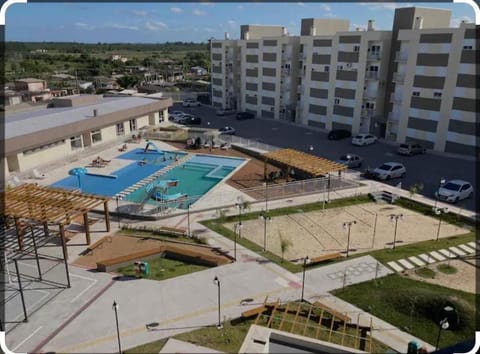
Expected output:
(351, 160)
(454, 190)
(390, 170)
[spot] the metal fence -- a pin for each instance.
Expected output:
(253, 144)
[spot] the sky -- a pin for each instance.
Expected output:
(188, 22)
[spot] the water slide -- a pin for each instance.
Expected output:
(158, 187)
(154, 147)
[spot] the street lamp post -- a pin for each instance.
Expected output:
(348, 225)
(266, 196)
(241, 207)
(265, 218)
(449, 313)
(188, 219)
(216, 281)
(441, 183)
(395, 217)
(236, 228)
(306, 261)
(439, 212)
(115, 308)
(118, 214)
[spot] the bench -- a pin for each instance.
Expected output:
(325, 257)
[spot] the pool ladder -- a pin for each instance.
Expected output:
(152, 177)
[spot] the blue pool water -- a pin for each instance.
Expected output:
(196, 177)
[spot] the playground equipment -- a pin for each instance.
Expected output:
(79, 172)
(158, 190)
(154, 147)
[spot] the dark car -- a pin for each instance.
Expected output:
(411, 149)
(338, 134)
(227, 130)
(191, 120)
(245, 115)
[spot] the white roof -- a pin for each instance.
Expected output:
(30, 122)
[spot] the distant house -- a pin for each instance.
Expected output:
(197, 70)
(85, 84)
(116, 57)
(30, 85)
(63, 76)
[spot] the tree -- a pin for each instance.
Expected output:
(127, 81)
(415, 188)
(284, 244)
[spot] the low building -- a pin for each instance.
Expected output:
(30, 85)
(197, 70)
(75, 123)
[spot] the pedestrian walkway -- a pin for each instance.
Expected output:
(423, 259)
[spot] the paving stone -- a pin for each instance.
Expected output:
(416, 261)
(426, 258)
(395, 266)
(466, 248)
(406, 264)
(447, 253)
(437, 256)
(457, 251)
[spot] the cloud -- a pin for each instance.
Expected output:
(384, 5)
(240, 7)
(301, 4)
(232, 23)
(120, 26)
(206, 3)
(197, 12)
(84, 26)
(210, 30)
(140, 13)
(325, 7)
(155, 26)
(176, 10)
(354, 27)
(455, 22)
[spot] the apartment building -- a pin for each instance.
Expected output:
(414, 83)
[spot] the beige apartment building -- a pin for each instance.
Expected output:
(414, 83)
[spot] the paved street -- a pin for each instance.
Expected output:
(426, 169)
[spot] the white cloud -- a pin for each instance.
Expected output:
(354, 27)
(197, 12)
(155, 26)
(210, 30)
(240, 7)
(232, 23)
(84, 26)
(301, 4)
(120, 26)
(385, 5)
(325, 7)
(140, 13)
(455, 22)
(176, 10)
(206, 3)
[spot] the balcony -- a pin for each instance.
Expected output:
(401, 57)
(368, 112)
(396, 99)
(399, 78)
(372, 75)
(374, 56)
(286, 72)
(367, 96)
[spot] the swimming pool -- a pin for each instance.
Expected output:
(195, 177)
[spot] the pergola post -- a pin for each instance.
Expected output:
(107, 216)
(87, 228)
(36, 253)
(45, 228)
(65, 252)
(20, 288)
(19, 231)
(265, 169)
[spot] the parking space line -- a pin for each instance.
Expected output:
(23, 341)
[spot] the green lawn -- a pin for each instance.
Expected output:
(164, 268)
(414, 306)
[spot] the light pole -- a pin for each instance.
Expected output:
(266, 195)
(241, 207)
(236, 228)
(115, 308)
(216, 281)
(448, 314)
(188, 219)
(395, 218)
(265, 218)
(348, 225)
(439, 212)
(306, 261)
(118, 215)
(440, 184)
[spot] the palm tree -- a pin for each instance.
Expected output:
(284, 244)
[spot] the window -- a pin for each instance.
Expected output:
(133, 124)
(339, 67)
(437, 94)
(120, 129)
(337, 101)
(96, 136)
(76, 142)
(287, 66)
(416, 93)
(374, 68)
(327, 68)
(467, 47)
(375, 49)
(356, 48)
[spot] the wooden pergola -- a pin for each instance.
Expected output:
(48, 205)
(313, 165)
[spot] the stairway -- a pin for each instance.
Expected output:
(383, 196)
(152, 177)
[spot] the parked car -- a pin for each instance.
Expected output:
(179, 117)
(191, 120)
(454, 190)
(338, 134)
(351, 160)
(227, 130)
(175, 115)
(245, 115)
(190, 102)
(225, 111)
(389, 170)
(364, 139)
(411, 149)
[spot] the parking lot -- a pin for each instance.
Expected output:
(425, 169)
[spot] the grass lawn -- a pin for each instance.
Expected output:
(164, 268)
(446, 268)
(414, 307)
(152, 347)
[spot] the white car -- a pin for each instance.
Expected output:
(390, 170)
(175, 115)
(454, 190)
(364, 139)
(190, 102)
